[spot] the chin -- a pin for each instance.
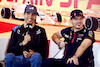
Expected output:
(79, 27)
(30, 22)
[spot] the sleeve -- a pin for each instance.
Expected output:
(65, 30)
(13, 46)
(43, 45)
(90, 34)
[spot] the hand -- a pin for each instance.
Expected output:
(28, 54)
(62, 44)
(74, 59)
(27, 38)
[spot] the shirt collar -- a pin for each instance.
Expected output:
(79, 30)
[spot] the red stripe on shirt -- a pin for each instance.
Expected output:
(73, 37)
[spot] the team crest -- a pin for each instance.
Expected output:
(90, 33)
(80, 35)
(18, 31)
(38, 32)
(78, 39)
(65, 35)
(31, 8)
(84, 30)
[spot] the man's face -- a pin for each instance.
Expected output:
(29, 17)
(77, 22)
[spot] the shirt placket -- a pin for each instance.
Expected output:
(73, 38)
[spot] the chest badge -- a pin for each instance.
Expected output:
(65, 35)
(78, 39)
(38, 31)
(80, 35)
(90, 33)
(18, 31)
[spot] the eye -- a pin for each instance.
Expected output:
(28, 13)
(81, 18)
(76, 19)
(33, 14)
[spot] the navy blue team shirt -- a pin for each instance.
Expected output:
(74, 40)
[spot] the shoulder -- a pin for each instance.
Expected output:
(66, 30)
(39, 30)
(16, 27)
(89, 32)
(90, 35)
(38, 27)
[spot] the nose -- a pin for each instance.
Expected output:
(30, 15)
(79, 20)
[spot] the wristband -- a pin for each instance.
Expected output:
(76, 55)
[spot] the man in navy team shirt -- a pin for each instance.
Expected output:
(77, 42)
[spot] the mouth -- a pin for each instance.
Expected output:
(79, 25)
(30, 20)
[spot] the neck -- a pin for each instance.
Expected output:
(33, 24)
(78, 29)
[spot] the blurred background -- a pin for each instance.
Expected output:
(54, 15)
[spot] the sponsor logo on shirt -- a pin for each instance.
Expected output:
(38, 31)
(84, 30)
(90, 33)
(65, 35)
(18, 31)
(78, 39)
(80, 35)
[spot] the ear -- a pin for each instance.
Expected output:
(70, 21)
(23, 14)
(35, 15)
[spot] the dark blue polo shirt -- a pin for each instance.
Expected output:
(74, 40)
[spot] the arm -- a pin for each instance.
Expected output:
(56, 38)
(13, 44)
(27, 38)
(43, 44)
(80, 50)
(15, 40)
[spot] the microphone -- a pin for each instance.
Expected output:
(28, 27)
